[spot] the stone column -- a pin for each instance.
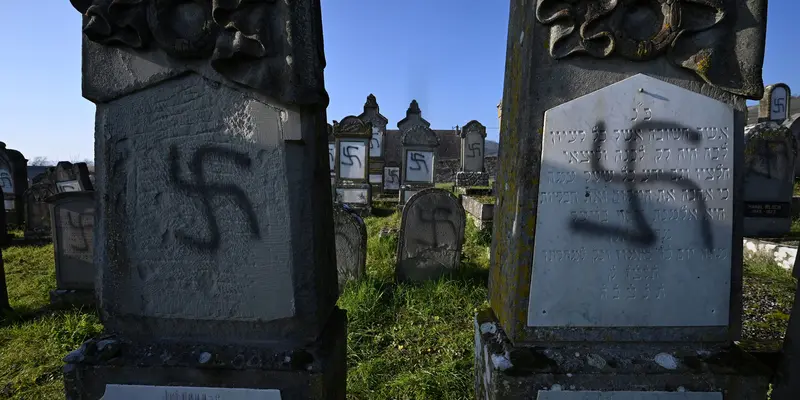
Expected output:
(617, 248)
(419, 153)
(473, 141)
(352, 139)
(372, 114)
(214, 232)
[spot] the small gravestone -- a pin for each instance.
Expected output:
(4, 304)
(431, 235)
(770, 159)
(139, 392)
(352, 137)
(419, 153)
(71, 177)
(793, 125)
(73, 216)
(351, 244)
(7, 184)
(14, 180)
(391, 179)
(373, 116)
(473, 139)
(37, 211)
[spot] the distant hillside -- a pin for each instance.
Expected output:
(752, 111)
(491, 148)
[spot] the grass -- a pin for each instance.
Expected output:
(405, 341)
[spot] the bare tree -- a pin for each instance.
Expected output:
(40, 162)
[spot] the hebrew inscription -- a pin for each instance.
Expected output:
(634, 218)
(419, 166)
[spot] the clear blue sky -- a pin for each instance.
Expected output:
(447, 54)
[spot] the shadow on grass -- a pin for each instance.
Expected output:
(24, 314)
(383, 211)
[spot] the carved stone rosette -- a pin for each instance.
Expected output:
(699, 35)
(274, 47)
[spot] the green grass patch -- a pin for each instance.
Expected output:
(405, 340)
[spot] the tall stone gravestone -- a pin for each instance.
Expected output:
(431, 235)
(4, 303)
(770, 157)
(37, 210)
(391, 178)
(473, 139)
(71, 177)
(352, 166)
(373, 115)
(214, 236)
(332, 154)
(617, 250)
(793, 125)
(351, 244)
(419, 153)
(72, 221)
(14, 178)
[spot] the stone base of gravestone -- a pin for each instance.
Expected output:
(357, 197)
(62, 298)
(312, 371)
(467, 179)
(503, 371)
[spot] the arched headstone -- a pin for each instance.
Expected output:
(431, 235)
(473, 140)
(351, 244)
(37, 211)
(373, 115)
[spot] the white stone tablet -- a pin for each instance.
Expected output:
(141, 392)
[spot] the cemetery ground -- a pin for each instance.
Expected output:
(405, 341)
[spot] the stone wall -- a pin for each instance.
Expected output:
(446, 169)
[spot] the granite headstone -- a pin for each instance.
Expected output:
(71, 177)
(419, 152)
(391, 178)
(473, 140)
(37, 211)
(214, 238)
(72, 220)
(353, 163)
(351, 244)
(431, 235)
(377, 158)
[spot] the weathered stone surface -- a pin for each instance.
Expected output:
(37, 211)
(504, 371)
(481, 211)
(136, 392)
(431, 235)
(769, 163)
(775, 104)
(787, 378)
(419, 165)
(71, 177)
(73, 217)
(351, 244)
(353, 162)
(373, 116)
(664, 260)
(793, 125)
(473, 139)
(468, 179)
(406, 193)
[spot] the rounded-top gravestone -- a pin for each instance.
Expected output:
(351, 244)
(431, 235)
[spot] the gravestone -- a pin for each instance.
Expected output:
(214, 236)
(72, 221)
(787, 378)
(373, 115)
(14, 179)
(351, 244)
(419, 153)
(616, 258)
(332, 154)
(473, 139)
(391, 178)
(37, 211)
(775, 104)
(352, 168)
(71, 177)
(4, 304)
(431, 235)
(793, 125)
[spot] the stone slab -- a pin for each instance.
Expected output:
(391, 178)
(138, 392)
(602, 260)
(72, 221)
(353, 195)
(375, 179)
(350, 234)
(353, 163)
(376, 143)
(467, 179)
(619, 395)
(332, 157)
(418, 166)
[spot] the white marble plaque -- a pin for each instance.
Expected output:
(141, 392)
(68, 186)
(332, 156)
(472, 152)
(376, 143)
(779, 107)
(375, 178)
(352, 160)
(407, 194)
(352, 196)
(592, 395)
(634, 218)
(391, 178)
(419, 166)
